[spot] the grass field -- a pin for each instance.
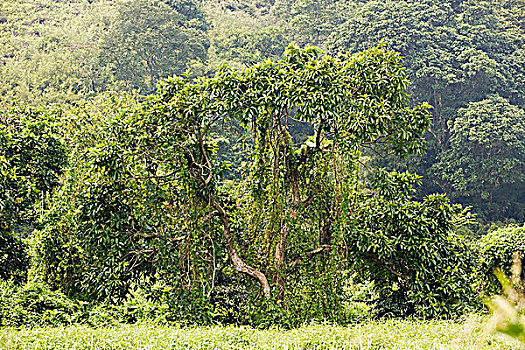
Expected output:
(471, 334)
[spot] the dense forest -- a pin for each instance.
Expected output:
(261, 162)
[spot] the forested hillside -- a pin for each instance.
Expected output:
(466, 59)
(260, 162)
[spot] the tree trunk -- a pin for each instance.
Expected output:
(279, 257)
(237, 261)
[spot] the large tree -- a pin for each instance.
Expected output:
(145, 197)
(485, 162)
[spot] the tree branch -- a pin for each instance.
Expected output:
(237, 261)
(311, 254)
(386, 266)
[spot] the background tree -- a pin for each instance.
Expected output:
(310, 21)
(152, 40)
(248, 47)
(48, 52)
(485, 163)
(455, 53)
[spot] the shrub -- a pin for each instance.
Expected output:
(496, 250)
(35, 305)
(13, 257)
(417, 261)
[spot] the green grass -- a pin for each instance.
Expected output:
(384, 335)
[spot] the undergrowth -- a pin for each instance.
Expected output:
(392, 334)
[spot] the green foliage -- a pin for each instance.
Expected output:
(243, 33)
(507, 309)
(410, 248)
(123, 216)
(31, 160)
(90, 243)
(34, 305)
(455, 53)
(14, 261)
(496, 250)
(461, 53)
(66, 51)
(390, 335)
(143, 199)
(297, 234)
(32, 156)
(485, 163)
(241, 192)
(247, 48)
(310, 22)
(150, 40)
(48, 51)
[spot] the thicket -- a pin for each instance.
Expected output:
(32, 157)
(497, 249)
(144, 199)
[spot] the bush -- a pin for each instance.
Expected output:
(496, 250)
(411, 250)
(14, 261)
(35, 305)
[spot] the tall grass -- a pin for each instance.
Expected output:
(374, 335)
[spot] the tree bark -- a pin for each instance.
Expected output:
(311, 254)
(279, 262)
(237, 261)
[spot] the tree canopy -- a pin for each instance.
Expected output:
(150, 40)
(456, 53)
